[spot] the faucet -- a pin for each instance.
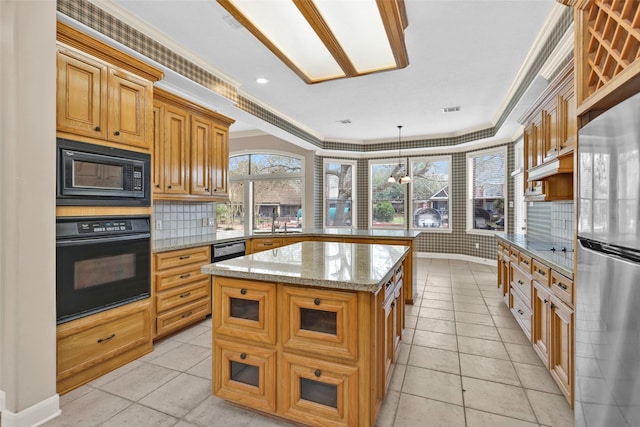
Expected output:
(274, 215)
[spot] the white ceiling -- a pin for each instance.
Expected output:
(461, 53)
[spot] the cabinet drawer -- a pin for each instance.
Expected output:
(521, 311)
(522, 282)
(320, 321)
(562, 287)
(106, 335)
(182, 316)
(183, 295)
(525, 262)
(245, 374)
(319, 393)
(541, 273)
(200, 255)
(503, 249)
(176, 277)
(248, 309)
(264, 244)
(513, 254)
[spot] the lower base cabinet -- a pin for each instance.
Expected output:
(561, 354)
(320, 357)
(94, 345)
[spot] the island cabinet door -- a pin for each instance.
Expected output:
(247, 309)
(319, 393)
(324, 322)
(245, 374)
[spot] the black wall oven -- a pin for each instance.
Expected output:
(102, 262)
(97, 175)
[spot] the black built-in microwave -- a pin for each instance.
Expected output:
(98, 175)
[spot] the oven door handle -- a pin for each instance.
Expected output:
(93, 240)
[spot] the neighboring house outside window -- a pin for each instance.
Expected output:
(264, 188)
(486, 191)
(430, 193)
(388, 199)
(339, 193)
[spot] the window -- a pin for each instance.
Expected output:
(387, 198)
(265, 188)
(520, 208)
(430, 193)
(339, 193)
(486, 190)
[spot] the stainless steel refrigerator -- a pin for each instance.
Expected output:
(607, 330)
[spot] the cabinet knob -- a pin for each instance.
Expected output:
(243, 291)
(243, 356)
(215, 189)
(157, 185)
(520, 312)
(520, 282)
(316, 301)
(97, 129)
(317, 373)
(206, 189)
(545, 301)
(393, 304)
(168, 186)
(117, 133)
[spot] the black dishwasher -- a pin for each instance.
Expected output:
(228, 250)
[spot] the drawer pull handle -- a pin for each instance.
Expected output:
(388, 284)
(117, 133)
(243, 356)
(243, 291)
(542, 273)
(317, 373)
(525, 262)
(520, 282)
(268, 244)
(206, 189)
(545, 301)
(184, 256)
(562, 285)
(187, 314)
(520, 312)
(184, 276)
(316, 301)
(186, 294)
(97, 129)
(106, 339)
(393, 304)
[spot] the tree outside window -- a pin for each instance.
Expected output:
(339, 190)
(387, 208)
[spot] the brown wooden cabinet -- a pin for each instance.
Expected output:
(549, 139)
(541, 315)
(99, 101)
(561, 352)
(191, 149)
(263, 243)
(181, 292)
(94, 345)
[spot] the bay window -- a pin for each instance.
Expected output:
(339, 193)
(430, 193)
(487, 189)
(387, 199)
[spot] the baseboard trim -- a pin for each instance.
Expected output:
(35, 415)
(460, 257)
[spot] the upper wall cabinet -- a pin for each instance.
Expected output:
(549, 141)
(607, 52)
(102, 93)
(190, 150)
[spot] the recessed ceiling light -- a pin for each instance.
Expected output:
(262, 81)
(345, 121)
(450, 109)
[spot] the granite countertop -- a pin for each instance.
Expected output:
(346, 266)
(539, 249)
(164, 245)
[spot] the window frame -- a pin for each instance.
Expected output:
(469, 189)
(385, 161)
(412, 160)
(248, 179)
(354, 189)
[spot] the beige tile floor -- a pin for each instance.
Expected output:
(463, 362)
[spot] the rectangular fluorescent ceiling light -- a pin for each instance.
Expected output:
(327, 39)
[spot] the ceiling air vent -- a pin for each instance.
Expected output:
(345, 121)
(450, 109)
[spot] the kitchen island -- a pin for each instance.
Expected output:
(310, 331)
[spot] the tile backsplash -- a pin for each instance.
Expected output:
(550, 220)
(181, 219)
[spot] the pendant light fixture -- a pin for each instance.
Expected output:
(404, 179)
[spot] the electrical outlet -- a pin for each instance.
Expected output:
(158, 224)
(510, 204)
(477, 245)
(212, 221)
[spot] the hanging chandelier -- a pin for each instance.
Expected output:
(404, 179)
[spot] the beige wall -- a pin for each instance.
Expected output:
(269, 143)
(27, 210)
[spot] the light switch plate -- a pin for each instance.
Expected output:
(158, 224)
